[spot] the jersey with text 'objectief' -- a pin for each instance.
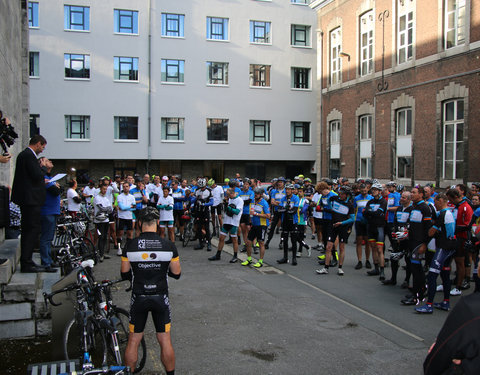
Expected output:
(150, 256)
(375, 212)
(342, 210)
(420, 222)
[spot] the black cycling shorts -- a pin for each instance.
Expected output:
(342, 232)
(376, 234)
(141, 305)
(258, 232)
(125, 224)
(361, 229)
(218, 209)
(245, 219)
(177, 214)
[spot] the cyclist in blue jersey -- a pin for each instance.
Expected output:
(288, 207)
(248, 197)
(178, 195)
(326, 221)
(260, 213)
(359, 203)
(341, 209)
(393, 202)
(303, 209)
(276, 196)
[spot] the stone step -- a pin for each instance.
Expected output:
(22, 287)
(10, 250)
(45, 282)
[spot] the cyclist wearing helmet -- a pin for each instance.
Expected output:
(203, 202)
(147, 260)
(359, 203)
(374, 212)
(231, 221)
(309, 191)
(178, 195)
(165, 206)
(217, 194)
(341, 209)
(260, 213)
(248, 196)
(288, 207)
(303, 207)
(393, 202)
(276, 196)
(400, 227)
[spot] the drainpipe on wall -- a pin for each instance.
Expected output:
(149, 102)
(320, 105)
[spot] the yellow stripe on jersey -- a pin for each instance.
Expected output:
(176, 259)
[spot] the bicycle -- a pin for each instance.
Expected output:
(188, 232)
(98, 333)
(111, 370)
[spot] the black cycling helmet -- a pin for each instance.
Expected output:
(148, 214)
(400, 188)
(289, 186)
(259, 190)
(345, 189)
(202, 182)
(369, 181)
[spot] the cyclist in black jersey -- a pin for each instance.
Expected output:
(147, 260)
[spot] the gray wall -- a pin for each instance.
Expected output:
(14, 78)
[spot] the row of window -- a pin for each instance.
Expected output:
(172, 71)
(452, 137)
(454, 27)
(172, 129)
(77, 18)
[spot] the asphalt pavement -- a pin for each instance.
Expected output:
(285, 319)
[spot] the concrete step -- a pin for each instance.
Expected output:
(22, 287)
(10, 250)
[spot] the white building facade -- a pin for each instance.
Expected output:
(208, 87)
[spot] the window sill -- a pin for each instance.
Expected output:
(77, 140)
(34, 27)
(260, 143)
(294, 89)
(172, 37)
(126, 34)
(125, 81)
(172, 141)
(34, 77)
(76, 79)
(218, 142)
(218, 40)
(301, 143)
(173, 83)
(76, 31)
(125, 140)
(216, 85)
(261, 87)
(304, 47)
(261, 44)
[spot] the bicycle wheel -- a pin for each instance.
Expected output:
(187, 235)
(86, 248)
(216, 227)
(122, 325)
(74, 343)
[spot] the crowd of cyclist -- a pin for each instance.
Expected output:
(428, 230)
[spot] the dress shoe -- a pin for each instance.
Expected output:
(31, 269)
(294, 262)
(282, 260)
(389, 282)
(49, 269)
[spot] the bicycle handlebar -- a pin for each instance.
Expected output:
(113, 370)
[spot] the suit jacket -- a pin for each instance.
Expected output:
(28, 182)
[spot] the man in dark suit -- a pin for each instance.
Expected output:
(29, 193)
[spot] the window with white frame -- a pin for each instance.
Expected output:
(404, 167)
(304, 2)
(365, 167)
(217, 129)
(334, 132)
(217, 73)
(77, 66)
(217, 28)
(365, 127)
(300, 35)
(260, 32)
(300, 132)
(259, 75)
(335, 58)
(173, 25)
(125, 21)
(405, 33)
(259, 131)
(172, 128)
(300, 78)
(172, 71)
(125, 128)
(34, 64)
(125, 68)
(76, 18)
(455, 23)
(367, 24)
(77, 127)
(32, 14)
(404, 122)
(453, 133)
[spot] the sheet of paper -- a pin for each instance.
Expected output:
(58, 177)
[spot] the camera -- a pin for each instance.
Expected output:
(7, 134)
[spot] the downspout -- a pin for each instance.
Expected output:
(320, 105)
(149, 103)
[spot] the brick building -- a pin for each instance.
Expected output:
(400, 89)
